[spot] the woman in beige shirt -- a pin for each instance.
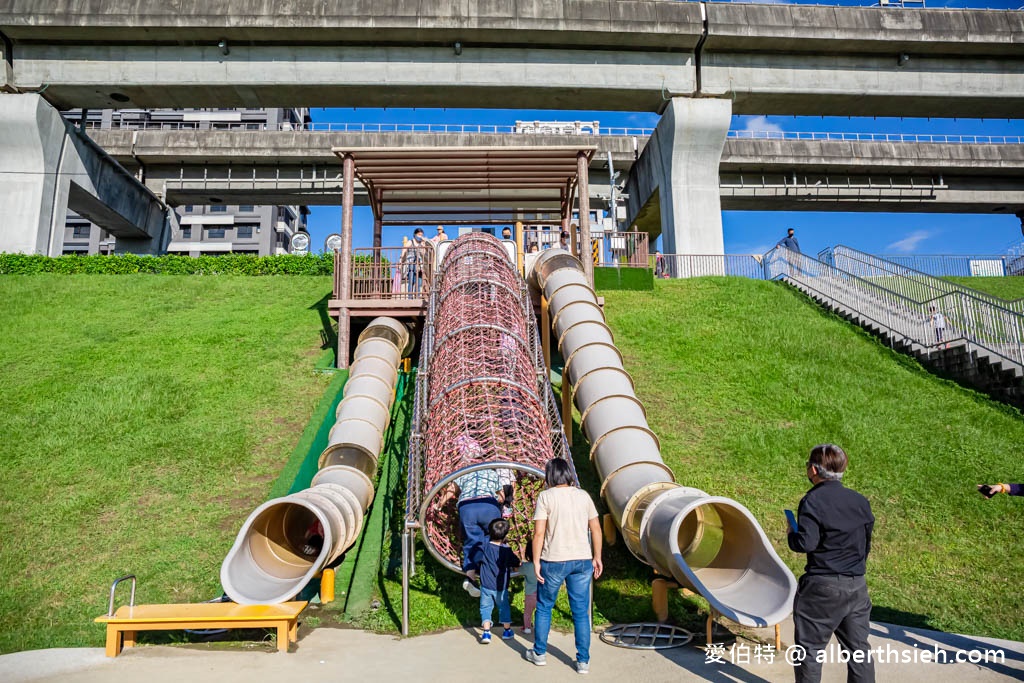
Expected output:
(567, 540)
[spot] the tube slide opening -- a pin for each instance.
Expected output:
(719, 550)
(268, 563)
(277, 538)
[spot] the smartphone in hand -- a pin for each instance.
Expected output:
(791, 518)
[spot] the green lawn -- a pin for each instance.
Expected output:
(741, 378)
(143, 418)
(1004, 287)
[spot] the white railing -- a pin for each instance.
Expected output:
(953, 265)
(702, 265)
(1015, 259)
(908, 281)
(950, 138)
(966, 319)
(587, 128)
(583, 128)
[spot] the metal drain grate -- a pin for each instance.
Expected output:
(646, 636)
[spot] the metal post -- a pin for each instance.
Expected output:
(378, 220)
(613, 195)
(520, 258)
(545, 332)
(405, 582)
(583, 182)
(347, 199)
(566, 406)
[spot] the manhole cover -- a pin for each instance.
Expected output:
(646, 636)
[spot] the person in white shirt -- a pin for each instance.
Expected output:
(567, 540)
(441, 236)
(939, 324)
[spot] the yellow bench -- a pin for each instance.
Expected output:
(123, 625)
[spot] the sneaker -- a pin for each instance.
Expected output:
(485, 638)
(531, 656)
(527, 631)
(582, 667)
(471, 588)
(507, 634)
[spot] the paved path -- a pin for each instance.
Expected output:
(335, 655)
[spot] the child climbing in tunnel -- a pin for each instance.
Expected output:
(496, 565)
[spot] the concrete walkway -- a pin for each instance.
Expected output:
(454, 656)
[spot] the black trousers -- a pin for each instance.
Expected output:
(833, 604)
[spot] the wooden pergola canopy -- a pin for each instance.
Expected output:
(468, 184)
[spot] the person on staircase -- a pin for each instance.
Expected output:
(789, 241)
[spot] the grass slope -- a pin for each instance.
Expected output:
(741, 378)
(142, 418)
(1004, 287)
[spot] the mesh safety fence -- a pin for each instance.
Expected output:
(487, 398)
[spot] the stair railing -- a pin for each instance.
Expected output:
(909, 281)
(977, 322)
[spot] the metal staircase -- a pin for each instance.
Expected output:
(983, 340)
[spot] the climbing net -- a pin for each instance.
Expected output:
(486, 399)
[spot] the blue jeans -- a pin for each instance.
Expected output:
(488, 599)
(576, 575)
(474, 517)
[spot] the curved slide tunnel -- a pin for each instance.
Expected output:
(270, 560)
(710, 544)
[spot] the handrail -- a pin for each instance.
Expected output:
(368, 127)
(948, 138)
(113, 587)
(981, 323)
(496, 129)
(925, 280)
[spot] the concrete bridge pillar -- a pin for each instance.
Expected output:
(673, 187)
(47, 166)
(33, 198)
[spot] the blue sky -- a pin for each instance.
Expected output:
(747, 231)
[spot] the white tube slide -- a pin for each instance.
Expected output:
(271, 561)
(709, 544)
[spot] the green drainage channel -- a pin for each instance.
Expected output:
(357, 575)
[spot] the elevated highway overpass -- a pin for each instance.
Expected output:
(206, 166)
(551, 54)
(696, 63)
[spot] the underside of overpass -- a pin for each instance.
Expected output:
(562, 54)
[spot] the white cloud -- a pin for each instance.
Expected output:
(761, 124)
(910, 242)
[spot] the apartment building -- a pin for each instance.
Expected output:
(200, 230)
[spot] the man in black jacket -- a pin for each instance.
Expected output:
(834, 529)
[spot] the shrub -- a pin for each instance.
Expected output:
(170, 264)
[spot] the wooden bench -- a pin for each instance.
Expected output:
(124, 624)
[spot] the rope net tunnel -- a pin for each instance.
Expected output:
(488, 400)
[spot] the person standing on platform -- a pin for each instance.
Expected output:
(833, 526)
(441, 236)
